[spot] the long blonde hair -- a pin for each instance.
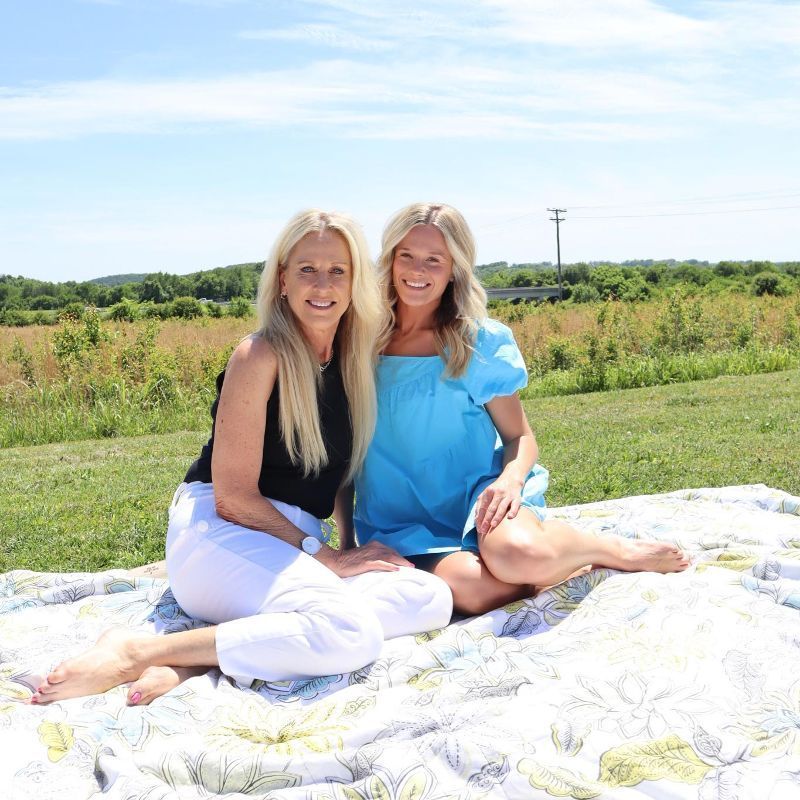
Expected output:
(298, 367)
(463, 304)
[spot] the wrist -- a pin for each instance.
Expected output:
(514, 479)
(326, 554)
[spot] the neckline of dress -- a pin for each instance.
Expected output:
(392, 355)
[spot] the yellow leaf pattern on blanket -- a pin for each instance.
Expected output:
(428, 679)
(358, 707)
(670, 758)
(57, 737)
(731, 559)
(427, 636)
(10, 688)
(557, 781)
(346, 793)
(775, 744)
(415, 784)
(284, 731)
(377, 789)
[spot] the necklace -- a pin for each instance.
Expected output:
(323, 367)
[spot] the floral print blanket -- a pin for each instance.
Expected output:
(610, 685)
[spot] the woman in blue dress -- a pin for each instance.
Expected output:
(450, 480)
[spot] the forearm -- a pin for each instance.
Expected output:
(519, 457)
(253, 510)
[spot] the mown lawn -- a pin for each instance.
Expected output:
(96, 504)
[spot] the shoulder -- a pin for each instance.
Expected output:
(493, 336)
(497, 367)
(253, 351)
(253, 361)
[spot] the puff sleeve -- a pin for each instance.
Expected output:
(496, 368)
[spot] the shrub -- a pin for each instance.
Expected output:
(240, 307)
(187, 308)
(680, 327)
(72, 311)
(613, 282)
(770, 283)
(584, 293)
(14, 318)
(150, 310)
(560, 354)
(124, 311)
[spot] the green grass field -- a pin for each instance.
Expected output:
(96, 504)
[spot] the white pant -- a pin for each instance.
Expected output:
(281, 615)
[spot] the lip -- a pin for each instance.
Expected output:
(415, 288)
(329, 304)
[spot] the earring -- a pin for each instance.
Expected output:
(283, 295)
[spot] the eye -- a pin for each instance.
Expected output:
(404, 255)
(307, 268)
(338, 270)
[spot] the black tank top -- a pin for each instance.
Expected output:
(279, 478)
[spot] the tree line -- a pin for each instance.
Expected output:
(164, 295)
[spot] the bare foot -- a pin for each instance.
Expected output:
(642, 555)
(111, 662)
(157, 681)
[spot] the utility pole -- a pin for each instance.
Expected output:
(558, 222)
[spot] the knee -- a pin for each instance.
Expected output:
(411, 601)
(429, 598)
(517, 556)
(353, 638)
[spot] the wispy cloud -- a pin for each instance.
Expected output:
(318, 34)
(419, 73)
(378, 103)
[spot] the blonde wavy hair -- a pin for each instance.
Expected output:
(463, 304)
(298, 368)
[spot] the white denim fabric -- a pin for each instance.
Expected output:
(282, 615)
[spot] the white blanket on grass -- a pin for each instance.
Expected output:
(611, 685)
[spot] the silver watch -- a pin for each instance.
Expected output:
(311, 545)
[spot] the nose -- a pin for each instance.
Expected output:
(323, 279)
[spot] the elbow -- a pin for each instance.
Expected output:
(226, 507)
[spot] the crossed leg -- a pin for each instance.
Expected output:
(523, 553)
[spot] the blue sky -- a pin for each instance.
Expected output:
(176, 135)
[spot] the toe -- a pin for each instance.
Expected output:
(58, 675)
(136, 697)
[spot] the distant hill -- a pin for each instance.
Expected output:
(138, 277)
(117, 280)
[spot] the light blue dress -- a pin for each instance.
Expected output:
(436, 449)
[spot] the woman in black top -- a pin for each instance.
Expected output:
(246, 548)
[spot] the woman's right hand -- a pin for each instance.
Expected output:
(372, 557)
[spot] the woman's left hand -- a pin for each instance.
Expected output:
(498, 501)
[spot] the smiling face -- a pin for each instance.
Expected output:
(422, 267)
(317, 281)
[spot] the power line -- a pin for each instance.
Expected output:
(687, 213)
(709, 199)
(506, 221)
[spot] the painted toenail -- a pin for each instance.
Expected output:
(136, 697)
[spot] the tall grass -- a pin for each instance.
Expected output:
(87, 378)
(90, 380)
